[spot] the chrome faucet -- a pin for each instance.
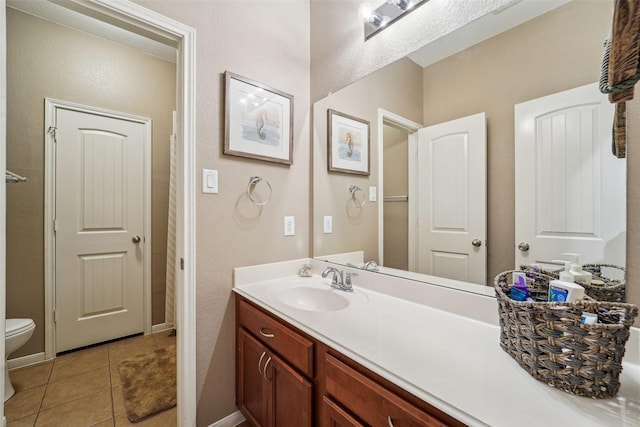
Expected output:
(338, 281)
(370, 265)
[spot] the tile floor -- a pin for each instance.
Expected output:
(81, 388)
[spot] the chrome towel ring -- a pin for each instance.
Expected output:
(356, 200)
(253, 182)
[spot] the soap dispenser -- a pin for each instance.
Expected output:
(564, 289)
(565, 275)
(579, 276)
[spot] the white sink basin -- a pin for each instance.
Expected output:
(314, 299)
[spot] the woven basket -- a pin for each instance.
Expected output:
(549, 341)
(613, 290)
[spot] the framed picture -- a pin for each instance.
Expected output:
(348, 143)
(258, 121)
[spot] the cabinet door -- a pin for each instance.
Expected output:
(334, 416)
(253, 391)
(291, 393)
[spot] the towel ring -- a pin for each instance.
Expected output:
(253, 182)
(356, 201)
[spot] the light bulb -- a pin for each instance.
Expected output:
(367, 14)
(401, 4)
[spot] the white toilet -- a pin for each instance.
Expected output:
(17, 333)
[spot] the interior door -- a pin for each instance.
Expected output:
(570, 189)
(99, 225)
(451, 192)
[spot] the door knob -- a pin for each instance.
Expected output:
(136, 239)
(523, 246)
(476, 242)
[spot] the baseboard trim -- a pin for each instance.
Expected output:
(30, 359)
(161, 327)
(230, 420)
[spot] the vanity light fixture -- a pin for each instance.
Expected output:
(369, 16)
(376, 20)
(401, 4)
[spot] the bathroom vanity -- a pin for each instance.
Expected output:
(392, 352)
(277, 390)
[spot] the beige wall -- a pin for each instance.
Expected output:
(395, 88)
(48, 60)
(557, 51)
(267, 41)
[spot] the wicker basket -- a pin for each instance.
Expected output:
(613, 290)
(550, 342)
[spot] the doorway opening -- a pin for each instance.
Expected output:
(131, 17)
(396, 136)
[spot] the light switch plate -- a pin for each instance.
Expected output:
(373, 194)
(327, 224)
(209, 181)
(289, 226)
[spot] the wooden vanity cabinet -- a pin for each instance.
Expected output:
(287, 379)
(270, 392)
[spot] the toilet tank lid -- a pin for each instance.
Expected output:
(14, 326)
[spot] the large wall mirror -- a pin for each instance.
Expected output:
(547, 52)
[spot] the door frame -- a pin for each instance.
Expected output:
(143, 21)
(3, 188)
(411, 127)
(51, 114)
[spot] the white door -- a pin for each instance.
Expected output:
(99, 226)
(451, 199)
(570, 189)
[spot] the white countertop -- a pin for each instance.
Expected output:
(449, 360)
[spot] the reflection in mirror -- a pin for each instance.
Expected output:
(395, 203)
(551, 53)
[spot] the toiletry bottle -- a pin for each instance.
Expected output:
(560, 291)
(564, 289)
(519, 291)
(579, 276)
(565, 275)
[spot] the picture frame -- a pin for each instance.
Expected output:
(348, 143)
(258, 121)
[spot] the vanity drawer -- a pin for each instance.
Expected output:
(370, 401)
(280, 338)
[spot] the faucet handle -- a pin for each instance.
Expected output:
(334, 281)
(347, 278)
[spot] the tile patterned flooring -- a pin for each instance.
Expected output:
(82, 388)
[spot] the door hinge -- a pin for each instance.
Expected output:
(55, 316)
(55, 225)
(181, 263)
(53, 131)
